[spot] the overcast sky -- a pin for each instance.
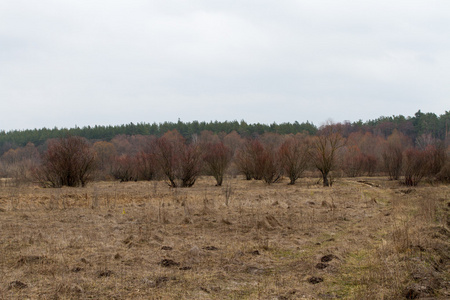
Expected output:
(86, 62)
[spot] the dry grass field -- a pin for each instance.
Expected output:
(364, 238)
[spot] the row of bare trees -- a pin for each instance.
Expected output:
(74, 161)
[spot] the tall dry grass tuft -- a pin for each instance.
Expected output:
(228, 192)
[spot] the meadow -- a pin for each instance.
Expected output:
(362, 238)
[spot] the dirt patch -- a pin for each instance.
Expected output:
(105, 273)
(315, 280)
(328, 258)
(321, 266)
(32, 259)
(167, 263)
(16, 284)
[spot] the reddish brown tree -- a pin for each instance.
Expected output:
(67, 162)
(354, 161)
(259, 162)
(416, 166)
(294, 156)
(191, 164)
(19, 163)
(370, 164)
(393, 154)
(217, 158)
(269, 163)
(444, 173)
(259, 158)
(250, 159)
(272, 140)
(437, 158)
(105, 153)
(146, 166)
(124, 167)
(361, 154)
(167, 156)
(122, 145)
(180, 163)
(233, 141)
(324, 150)
(208, 137)
(393, 160)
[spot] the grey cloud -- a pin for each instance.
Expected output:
(109, 62)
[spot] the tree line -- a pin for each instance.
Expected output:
(413, 127)
(19, 138)
(330, 153)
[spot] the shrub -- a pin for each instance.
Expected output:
(294, 157)
(146, 166)
(180, 163)
(393, 159)
(354, 162)
(249, 159)
(444, 173)
(19, 163)
(393, 154)
(123, 168)
(324, 151)
(67, 162)
(370, 164)
(437, 158)
(217, 158)
(105, 153)
(269, 162)
(416, 164)
(190, 164)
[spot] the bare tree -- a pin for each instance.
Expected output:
(67, 161)
(437, 158)
(105, 153)
(166, 154)
(244, 160)
(324, 150)
(180, 163)
(393, 160)
(217, 158)
(353, 161)
(393, 154)
(146, 165)
(123, 168)
(416, 166)
(250, 159)
(19, 163)
(294, 156)
(270, 165)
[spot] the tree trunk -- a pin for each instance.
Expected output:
(292, 182)
(325, 179)
(219, 180)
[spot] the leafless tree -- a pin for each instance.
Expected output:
(324, 150)
(180, 162)
(217, 158)
(393, 154)
(67, 162)
(416, 166)
(294, 156)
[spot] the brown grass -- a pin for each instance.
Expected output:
(146, 241)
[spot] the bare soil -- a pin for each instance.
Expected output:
(364, 238)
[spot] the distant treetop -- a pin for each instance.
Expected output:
(19, 138)
(421, 123)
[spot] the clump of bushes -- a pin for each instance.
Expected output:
(67, 162)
